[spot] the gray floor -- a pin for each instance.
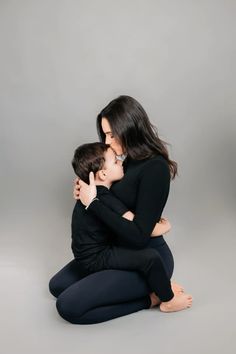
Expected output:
(30, 323)
(61, 63)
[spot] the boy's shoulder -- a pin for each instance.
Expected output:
(82, 219)
(102, 190)
(78, 208)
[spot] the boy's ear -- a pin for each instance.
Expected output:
(102, 175)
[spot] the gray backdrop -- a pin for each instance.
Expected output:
(61, 63)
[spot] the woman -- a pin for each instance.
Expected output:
(144, 189)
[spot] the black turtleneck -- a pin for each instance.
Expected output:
(144, 190)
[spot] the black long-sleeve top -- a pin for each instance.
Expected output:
(144, 190)
(90, 237)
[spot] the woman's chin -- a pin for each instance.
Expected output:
(118, 152)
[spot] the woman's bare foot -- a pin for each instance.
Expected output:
(177, 303)
(177, 288)
(154, 300)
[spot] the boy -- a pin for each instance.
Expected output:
(92, 244)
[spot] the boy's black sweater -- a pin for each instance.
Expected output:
(90, 236)
(144, 190)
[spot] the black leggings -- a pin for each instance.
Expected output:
(107, 294)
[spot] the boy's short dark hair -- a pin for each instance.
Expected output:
(89, 157)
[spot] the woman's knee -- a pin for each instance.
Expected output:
(57, 284)
(67, 310)
(65, 277)
(152, 254)
(54, 286)
(63, 308)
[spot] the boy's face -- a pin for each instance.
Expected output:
(112, 168)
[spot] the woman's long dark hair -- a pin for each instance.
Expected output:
(130, 125)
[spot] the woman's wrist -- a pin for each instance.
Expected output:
(95, 198)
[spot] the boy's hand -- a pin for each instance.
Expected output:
(87, 191)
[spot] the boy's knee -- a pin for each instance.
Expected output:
(151, 257)
(152, 254)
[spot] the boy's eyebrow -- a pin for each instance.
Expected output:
(107, 132)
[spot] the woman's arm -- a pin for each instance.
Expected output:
(153, 191)
(161, 227)
(107, 197)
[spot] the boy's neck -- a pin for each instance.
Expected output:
(107, 185)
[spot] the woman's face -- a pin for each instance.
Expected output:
(113, 142)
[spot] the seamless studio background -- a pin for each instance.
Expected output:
(61, 63)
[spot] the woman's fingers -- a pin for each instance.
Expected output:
(76, 189)
(76, 181)
(91, 178)
(76, 194)
(82, 183)
(84, 191)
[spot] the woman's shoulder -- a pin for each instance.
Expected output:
(147, 165)
(155, 165)
(157, 160)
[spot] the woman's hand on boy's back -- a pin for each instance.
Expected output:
(87, 191)
(76, 188)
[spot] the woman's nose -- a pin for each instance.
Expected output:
(108, 140)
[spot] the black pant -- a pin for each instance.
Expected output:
(104, 295)
(147, 261)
